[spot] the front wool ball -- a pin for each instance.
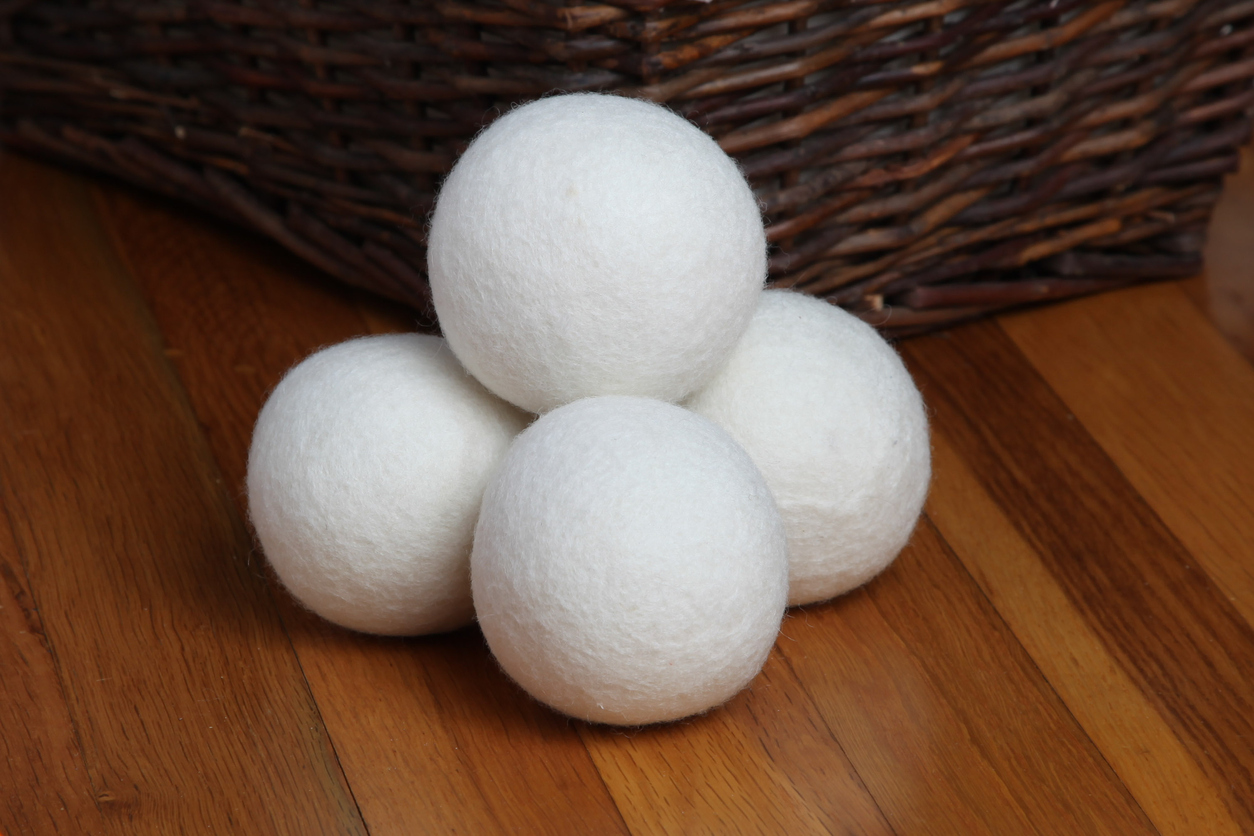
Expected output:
(592, 245)
(629, 564)
(365, 474)
(828, 412)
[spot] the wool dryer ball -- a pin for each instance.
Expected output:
(629, 564)
(365, 474)
(592, 244)
(828, 412)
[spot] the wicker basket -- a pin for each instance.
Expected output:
(918, 161)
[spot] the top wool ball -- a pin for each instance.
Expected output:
(594, 245)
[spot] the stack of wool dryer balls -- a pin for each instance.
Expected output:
(597, 260)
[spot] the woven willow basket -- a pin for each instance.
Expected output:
(918, 161)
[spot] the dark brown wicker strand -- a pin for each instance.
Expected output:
(919, 162)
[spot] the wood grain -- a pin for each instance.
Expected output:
(43, 779)
(766, 762)
(944, 666)
(907, 743)
(191, 710)
(1141, 747)
(1010, 713)
(434, 742)
(1189, 456)
(1172, 631)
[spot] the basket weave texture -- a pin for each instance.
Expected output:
(918, 161)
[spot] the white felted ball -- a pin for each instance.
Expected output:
(828, 412)
(592, 245)
(629, 563)
(365, 474)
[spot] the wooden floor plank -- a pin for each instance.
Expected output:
(43, 778)
(185, 691)
(764, 763)
(1010, 712)
(957, 731)
(442, 740)
(1190, 455)
(906, 742)
(1140, 746)
(1172, 631)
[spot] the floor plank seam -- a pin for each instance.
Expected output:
(1061, 701)
(818, 716)
(145, 313)
(46, 641)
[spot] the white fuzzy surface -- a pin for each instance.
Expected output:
(591, 245)
(830, 415)
(629, 564)
(365, 474)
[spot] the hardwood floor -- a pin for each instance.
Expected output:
(1066, 646)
